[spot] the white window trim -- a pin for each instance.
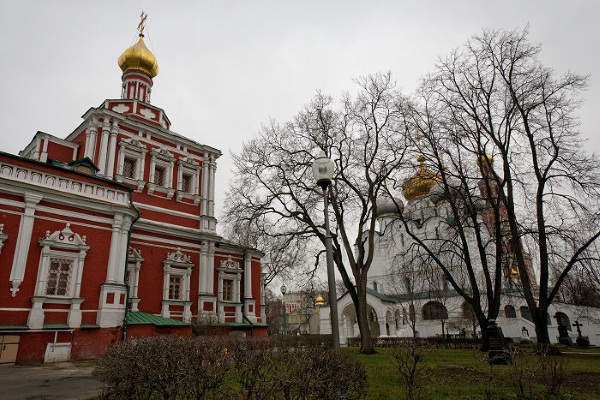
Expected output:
(137, 151)
(190, 167)
(231, 270)
(178, 264)
(67, 245)
(166, 160)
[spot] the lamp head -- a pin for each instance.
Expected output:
(323, 169)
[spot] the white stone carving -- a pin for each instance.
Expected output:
(62, 184)
(148, 113)
(229, 264)
(178, 257)
(121, 108)
(3, 236)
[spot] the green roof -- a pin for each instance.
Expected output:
(56, 326)
(90, 326)
(13, 328)
(381, 296)
(142, 318)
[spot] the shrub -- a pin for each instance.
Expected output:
(170, 367)
(409, 358)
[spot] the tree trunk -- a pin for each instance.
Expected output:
(540, 318)
(485, 339)
(366, 342)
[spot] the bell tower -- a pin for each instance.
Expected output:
(139, 66)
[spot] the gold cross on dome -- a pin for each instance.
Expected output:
(142, 23)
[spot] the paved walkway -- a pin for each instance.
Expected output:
(65, 381)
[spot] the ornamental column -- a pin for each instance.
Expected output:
(249, 301)
(91, 135)
(112, 150)
(103, 148)
(23, 241)
(113, 256)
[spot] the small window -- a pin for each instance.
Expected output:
(186, 183)
(59, 276)
(227, 290)
(510, 312)
(526, 313)
(175, 287)
(159, 175)
(129, 165)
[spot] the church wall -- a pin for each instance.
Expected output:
(175, 234)
(154, 250)
(59, 152)
(170, 218)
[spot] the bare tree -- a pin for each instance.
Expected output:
(582, 286)
(364, 137)
(284, 256)
(499, 130)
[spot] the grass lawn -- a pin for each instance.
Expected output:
(465, 374)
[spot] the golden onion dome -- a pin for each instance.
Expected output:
(420, 183)
(138, 57)
(485, 159)
(319, 301)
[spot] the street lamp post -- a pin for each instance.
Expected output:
(323, 173)
(283, 292)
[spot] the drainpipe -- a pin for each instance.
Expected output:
(126, 273)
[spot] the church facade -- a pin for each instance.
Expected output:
(409, 299)
(110, 233)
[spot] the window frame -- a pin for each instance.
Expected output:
(130, 172)
(134, 150)
(230, 270)
(434, 311)
(162, 158)
(177, 264)
(188, 166)
(64, 244)
(176, 287)
(60, 275)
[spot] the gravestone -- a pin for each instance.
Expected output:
(525, 339)
(581, 340)
(497, 354)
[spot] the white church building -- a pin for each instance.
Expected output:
(406, 298)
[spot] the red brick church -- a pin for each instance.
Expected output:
(110, 233)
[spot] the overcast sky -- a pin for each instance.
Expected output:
(226, 67)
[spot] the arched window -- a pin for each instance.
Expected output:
(373, 315)
(468, 312)
(563, 320)
(434, 310)
(525, 313)
(510, 312)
